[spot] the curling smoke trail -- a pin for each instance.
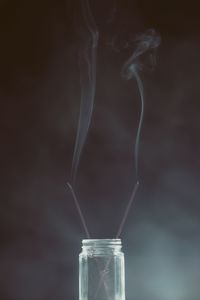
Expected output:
(87, 64)
(146, 44)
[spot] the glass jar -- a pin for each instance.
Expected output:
(101, 270)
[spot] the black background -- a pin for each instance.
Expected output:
(40, 231)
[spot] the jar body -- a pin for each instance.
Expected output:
(101, 270)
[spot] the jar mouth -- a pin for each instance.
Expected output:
(101, 242)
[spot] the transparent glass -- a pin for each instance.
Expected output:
(101, 270)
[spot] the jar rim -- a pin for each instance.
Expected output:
(101, 242)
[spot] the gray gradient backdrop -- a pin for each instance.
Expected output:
(40, 231)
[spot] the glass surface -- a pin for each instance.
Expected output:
(101, 270)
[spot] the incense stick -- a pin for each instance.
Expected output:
(79, 210)
(121, 226)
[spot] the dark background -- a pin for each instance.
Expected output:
(40, 231)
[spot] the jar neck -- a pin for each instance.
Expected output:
(101, 246)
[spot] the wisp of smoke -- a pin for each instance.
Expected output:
(87, 64)
(146, 44)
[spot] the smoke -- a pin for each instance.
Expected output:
(87, 64)
(147, 41)
(146, 44)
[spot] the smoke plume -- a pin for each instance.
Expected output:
(146, 44)
(87, 64)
